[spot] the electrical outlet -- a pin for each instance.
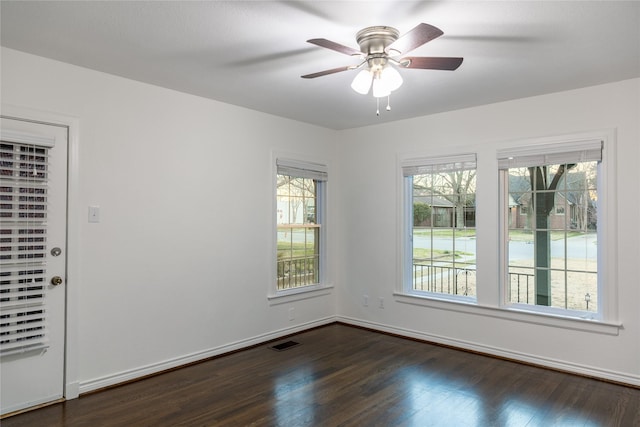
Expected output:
(365, 300)
(381, 302)
(292, 313)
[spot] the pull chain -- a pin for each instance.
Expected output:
(378, 105)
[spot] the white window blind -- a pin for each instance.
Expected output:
(554, 154)
(300, 169)
(23, 243)
(446, 164)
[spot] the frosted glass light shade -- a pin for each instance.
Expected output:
(362, 82)
(380, 88)
(386, 82)
(392, 78)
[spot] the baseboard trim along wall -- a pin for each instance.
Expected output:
(558, 365)
(155, 368)
(134, 374)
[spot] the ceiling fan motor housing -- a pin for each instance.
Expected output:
(376, 39)
(373, 41)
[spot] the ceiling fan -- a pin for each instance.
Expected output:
(381, 50)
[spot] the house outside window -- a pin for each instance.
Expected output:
(440, 245)
(551, 251)
(300, 195)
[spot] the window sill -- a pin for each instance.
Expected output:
(512, 314)
(298, 294)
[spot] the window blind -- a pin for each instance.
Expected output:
(301, 169)
(23, 235)
(446, 164)
(550, 154)
(10, 135)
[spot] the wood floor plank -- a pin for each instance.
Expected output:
(346, 376)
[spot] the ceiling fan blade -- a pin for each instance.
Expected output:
(335, 46)
(326, 72)
(432, 63)
(415, 37)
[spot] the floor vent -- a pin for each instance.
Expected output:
(285, 345)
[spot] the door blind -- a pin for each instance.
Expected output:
(23, 244)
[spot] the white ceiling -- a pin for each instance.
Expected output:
(252, 54)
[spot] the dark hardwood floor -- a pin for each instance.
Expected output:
(345, 376)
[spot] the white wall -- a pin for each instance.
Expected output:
(370, 235)
(164, 277)
(181, 261)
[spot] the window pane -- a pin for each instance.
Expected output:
(298, 239)
(558, 288)
(557, 249)
(552, 241)
(443, 243)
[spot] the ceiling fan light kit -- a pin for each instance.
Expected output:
(381, 50)
(362, 82)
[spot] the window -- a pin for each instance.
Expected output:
(300, 193)
(551, 253)
(440, 245)
(24, 207)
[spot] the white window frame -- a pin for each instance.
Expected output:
(606, 231)
(408, 168)
(490, 292)
(309, 168)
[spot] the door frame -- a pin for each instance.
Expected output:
(71, 381)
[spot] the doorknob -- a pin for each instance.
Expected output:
(56, 280)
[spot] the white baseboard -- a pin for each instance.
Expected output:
(560, 365)
(132, 374)
(71, 390)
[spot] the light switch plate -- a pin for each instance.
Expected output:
(94, 213)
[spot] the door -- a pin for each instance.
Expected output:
(33, 199)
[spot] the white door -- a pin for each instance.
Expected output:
(33, 199)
